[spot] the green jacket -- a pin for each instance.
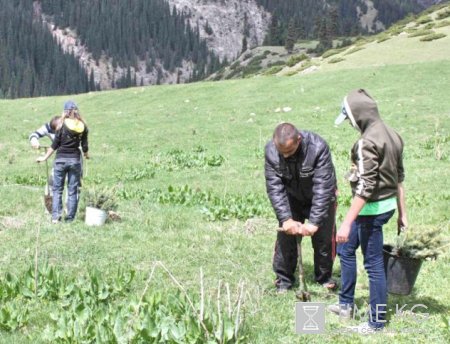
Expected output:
(378, 154)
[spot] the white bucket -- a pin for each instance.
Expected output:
(95, 217)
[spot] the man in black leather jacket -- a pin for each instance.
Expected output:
(301, 184)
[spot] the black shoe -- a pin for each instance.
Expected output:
(282, 290)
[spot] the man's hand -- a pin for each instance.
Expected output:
(86, 155)
(309, 229)
(40, 159)
(292, 227)
(343, 233)
(402, 224)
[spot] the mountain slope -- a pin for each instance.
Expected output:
(424, 39)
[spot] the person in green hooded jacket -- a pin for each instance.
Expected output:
(376, 179)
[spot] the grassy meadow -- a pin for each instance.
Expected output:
(140, 141)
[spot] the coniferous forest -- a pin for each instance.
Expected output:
(312, 17)
(128, 31)
(31, 64)
(132, 34)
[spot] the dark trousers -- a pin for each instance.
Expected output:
(323, 242)
(367, 232)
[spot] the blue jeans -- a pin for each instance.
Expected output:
(72, 169)
(366, 231)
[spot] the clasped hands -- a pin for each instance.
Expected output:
(292, 227)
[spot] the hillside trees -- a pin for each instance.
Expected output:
(31, 63)
(132, 31)
(341, 16)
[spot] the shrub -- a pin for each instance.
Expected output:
(104, 198)
(247, 56)
(293, 60)
(433, 37)
(336, 60)
(273, 70)
(332, 52)
(424, 20)
(443, 14)
(235, 65)
(383, 38)
(419, 242)
(442, 23)
(276, 63)
(420, 33)
(354, 50)
(346, 42)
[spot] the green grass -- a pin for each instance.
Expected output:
(233, 119)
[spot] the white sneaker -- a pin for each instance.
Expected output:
(342, 310)
(364, 329)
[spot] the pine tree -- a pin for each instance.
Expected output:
(91, 81)
(291, 36)
(244, 45)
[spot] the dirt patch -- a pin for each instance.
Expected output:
(254, 225)
(8, 222)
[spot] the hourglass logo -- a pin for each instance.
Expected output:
(309, 318)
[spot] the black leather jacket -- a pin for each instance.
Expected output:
(307, 177)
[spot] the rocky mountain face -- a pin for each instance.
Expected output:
(224, 23)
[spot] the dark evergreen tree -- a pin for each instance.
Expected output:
(92, 85)
(291, 36)
(244, 44)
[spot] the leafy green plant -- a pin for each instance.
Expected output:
(13, 315)
(437, 143)
(213, 207)
(104, 198)
(420, 242)
(31, 180)
(178, 159)
(137, 173)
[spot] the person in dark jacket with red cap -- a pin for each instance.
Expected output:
(301, 184)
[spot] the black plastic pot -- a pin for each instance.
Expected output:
(401, 272)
